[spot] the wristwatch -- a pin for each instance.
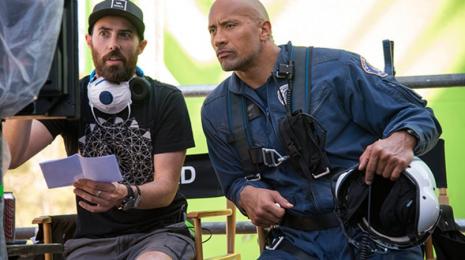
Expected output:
(412, 133)
(131, 200)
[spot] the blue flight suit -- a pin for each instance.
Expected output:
(356, 104)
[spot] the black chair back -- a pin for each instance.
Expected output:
(198, 179)
(436, 160)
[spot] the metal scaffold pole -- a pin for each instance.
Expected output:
(3, 253)
(414, 82)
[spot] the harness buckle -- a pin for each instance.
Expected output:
(253, 177)
(272, 158)
(321, 174)
(285, 71)
(275, 243)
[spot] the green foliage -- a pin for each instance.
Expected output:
(184, 69)
(450, 14)
(194, 105)
(451, 9)
(204, 5)
(450, 100)
(453, 124)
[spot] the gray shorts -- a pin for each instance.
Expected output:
(177, 246)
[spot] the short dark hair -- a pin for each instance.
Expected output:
(123, 8)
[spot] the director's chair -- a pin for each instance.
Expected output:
(198, 180)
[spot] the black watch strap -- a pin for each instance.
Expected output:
(131, 200)
(138, 195)
(130, 192)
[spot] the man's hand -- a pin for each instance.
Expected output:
(99, 196)
(264, 207)
(387, 157)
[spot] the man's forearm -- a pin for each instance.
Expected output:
(161, 191)
(156, 194)
(17, 134)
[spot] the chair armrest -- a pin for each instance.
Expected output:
(46, 222)
(209, 213)
(36, 249)
(442, 197)
(42, 220)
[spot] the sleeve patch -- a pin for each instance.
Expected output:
(370, 69)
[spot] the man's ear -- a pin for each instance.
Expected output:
(265, 30)
(89, 40)
(141, 46)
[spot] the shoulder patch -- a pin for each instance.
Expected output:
(370, 69)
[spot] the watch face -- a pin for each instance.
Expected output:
(132, 200)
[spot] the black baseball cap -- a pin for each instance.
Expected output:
(124, 8)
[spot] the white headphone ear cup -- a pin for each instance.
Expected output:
(139, 87)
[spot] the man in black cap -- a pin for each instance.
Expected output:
(141, 217)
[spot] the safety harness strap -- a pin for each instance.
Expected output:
(277, 241)
(301, 82)
(253, 159)
(310, 223)
(238, 125)
(296, 252)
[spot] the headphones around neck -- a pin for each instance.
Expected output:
(138, 85)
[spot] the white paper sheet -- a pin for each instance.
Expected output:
(63, 172)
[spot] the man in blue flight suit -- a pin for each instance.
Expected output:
(369, 118)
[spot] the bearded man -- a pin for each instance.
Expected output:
(141, 217)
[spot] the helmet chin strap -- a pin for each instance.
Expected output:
(365, 249)
(369, 204)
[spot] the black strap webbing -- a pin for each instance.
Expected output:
(296, 252)
(238, 125)
(238, 114)
(302, 79)
(388, 50)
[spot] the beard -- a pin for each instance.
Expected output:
(114, 73)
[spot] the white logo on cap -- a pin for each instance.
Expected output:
(119, 4)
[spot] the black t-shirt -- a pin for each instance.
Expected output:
(158, 124)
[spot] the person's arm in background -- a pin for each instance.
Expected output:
(25, 138)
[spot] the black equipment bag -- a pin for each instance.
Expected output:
(304, 141)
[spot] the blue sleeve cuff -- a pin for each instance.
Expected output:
(422, 145)
(239, 185)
